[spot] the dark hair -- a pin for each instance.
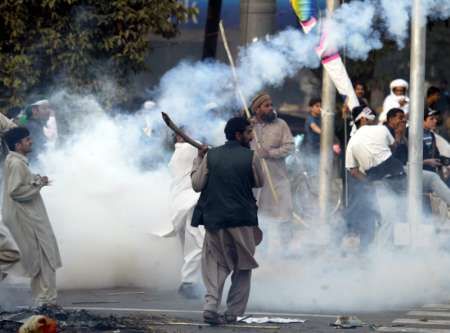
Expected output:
(314, 100)
(393, 113)
(14, 135)
(359, 83)
(235, 125)
(428, 112)
(433, 90)
(13, 112)
(356, 111)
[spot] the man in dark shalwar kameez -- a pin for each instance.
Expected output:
(225, 176)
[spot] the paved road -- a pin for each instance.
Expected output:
(185, 315)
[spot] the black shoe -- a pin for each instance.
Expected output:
(213, 318)
(229, 318)
(188, 291)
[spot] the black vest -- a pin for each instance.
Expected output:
(227, 200)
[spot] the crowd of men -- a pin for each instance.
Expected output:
(222, 196)
(244, 185)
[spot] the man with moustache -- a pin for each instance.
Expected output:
(274, 142)
(227, 208)
(25, 216)
(398, 98)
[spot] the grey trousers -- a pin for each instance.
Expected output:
(43, 284)
(433, 183)
(214, 276)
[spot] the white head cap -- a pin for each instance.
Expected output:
(148, 105)
(399, 83)
(41, 102)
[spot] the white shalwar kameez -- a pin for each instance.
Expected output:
(183, 200)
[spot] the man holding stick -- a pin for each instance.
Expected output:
(275, 143)
(227, 208)
(25, 216)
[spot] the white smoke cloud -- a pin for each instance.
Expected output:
(104, 207)
(352, 27)
(397, 16)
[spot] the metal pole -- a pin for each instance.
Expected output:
(257, 19)
(326, 137)
(415, 144)
(212, 29)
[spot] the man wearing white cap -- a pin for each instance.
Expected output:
(396, 99)
(40, 120)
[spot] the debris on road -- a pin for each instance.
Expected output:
(70, 321)
(126, 293)
(265, 320)
(39, 324)
(201, 325)
(348, 322)
(94, 302)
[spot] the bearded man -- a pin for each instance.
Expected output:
(273, 143)
(227, 208)
(398, 98)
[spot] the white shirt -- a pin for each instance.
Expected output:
(368, 147)
(183, 197)
(390, 102)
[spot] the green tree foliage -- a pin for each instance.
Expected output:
(82, 45)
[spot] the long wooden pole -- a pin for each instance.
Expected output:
(246, 110)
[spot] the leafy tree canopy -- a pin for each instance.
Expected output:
(79, 44)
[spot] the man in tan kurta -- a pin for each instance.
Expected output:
(9, 253)
(273, 143)
(227, 209)
(25, 216)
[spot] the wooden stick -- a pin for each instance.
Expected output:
(247, 111)
(178, 131)
(300, 220)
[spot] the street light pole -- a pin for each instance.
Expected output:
(415, 144)
(257, 19)
(326, 137)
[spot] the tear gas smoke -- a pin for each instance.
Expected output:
(104, 206)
